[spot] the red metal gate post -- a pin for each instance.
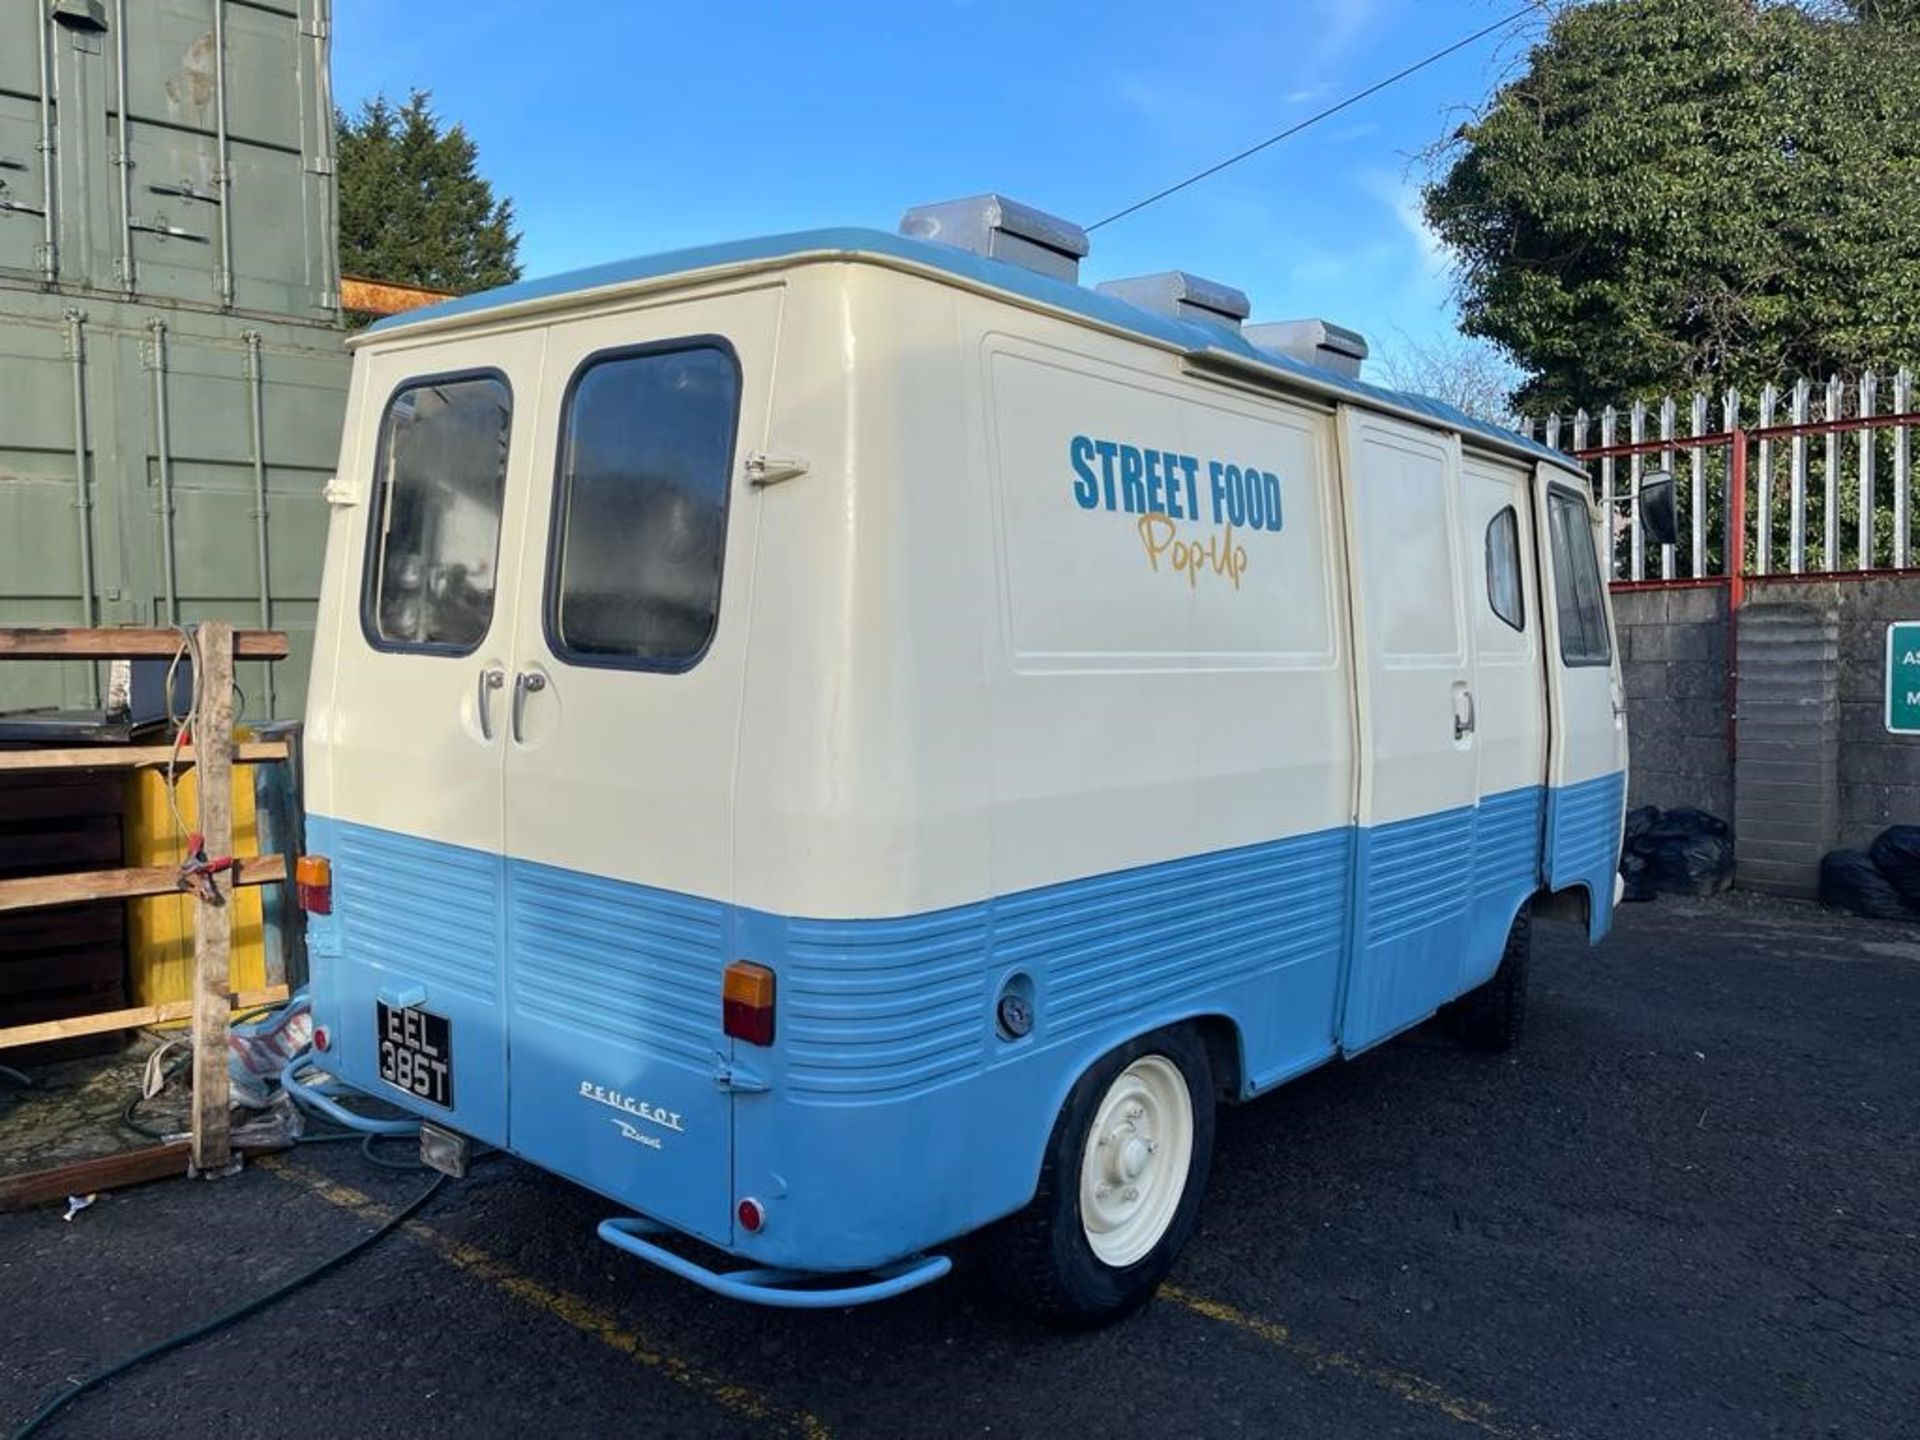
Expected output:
(1736, 567)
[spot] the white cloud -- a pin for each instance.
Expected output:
(1340, 25)
(1402, 196)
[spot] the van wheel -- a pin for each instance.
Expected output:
(1490, 1016)
(1119, 1188)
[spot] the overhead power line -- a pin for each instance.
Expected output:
(1318, 116)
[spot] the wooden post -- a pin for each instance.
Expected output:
(212, 1153)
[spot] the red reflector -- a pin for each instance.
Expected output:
(752, 1216)
(321, 1039)
(747, 1002)
(313, 880)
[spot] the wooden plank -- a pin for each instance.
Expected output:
(130, 757)
(383, 297)
(213, 923)
(83, 1177)
(105, 1172)
(54, 643)
(34, 892)
(45, 1030)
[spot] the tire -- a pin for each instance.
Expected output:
(1490, 1016)
(1108, 1219)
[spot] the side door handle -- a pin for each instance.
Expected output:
(492, 677)
(525, 683)
(1463, 716)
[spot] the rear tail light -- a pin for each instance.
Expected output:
(313, 878)
(747, 1002)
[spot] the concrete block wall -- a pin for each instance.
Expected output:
(1816, 769)
(1673, 654)
(1879, 773)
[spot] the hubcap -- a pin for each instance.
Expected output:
(1135, 1167)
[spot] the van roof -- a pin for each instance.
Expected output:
(1207, 344)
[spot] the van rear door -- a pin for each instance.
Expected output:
(413, 728)
(622, 720)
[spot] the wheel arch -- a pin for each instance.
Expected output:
(1219, 1035)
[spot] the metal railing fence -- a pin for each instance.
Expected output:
(1788, 494)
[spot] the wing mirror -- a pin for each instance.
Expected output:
(1657, 510)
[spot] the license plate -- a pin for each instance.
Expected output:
(416, 1053)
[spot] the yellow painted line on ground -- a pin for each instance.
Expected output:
(594, 1321)
(1410, 1388)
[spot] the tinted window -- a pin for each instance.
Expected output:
(641, 507)
(434, 546)
(1503, 569)
(1579, 597)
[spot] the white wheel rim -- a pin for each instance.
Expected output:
(1134, 1169)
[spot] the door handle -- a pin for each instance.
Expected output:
(527, 682)
(1463, 716)
(491, 679)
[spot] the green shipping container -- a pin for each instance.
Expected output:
(172, 372)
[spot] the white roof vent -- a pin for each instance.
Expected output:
(1318, 342)
(1003, 229)
(1183, 296)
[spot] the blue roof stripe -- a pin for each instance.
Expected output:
(853, 242)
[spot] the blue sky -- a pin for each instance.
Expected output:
(620, 128)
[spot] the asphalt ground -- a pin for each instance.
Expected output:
(1687, 1205)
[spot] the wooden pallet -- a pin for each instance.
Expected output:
(213, 750)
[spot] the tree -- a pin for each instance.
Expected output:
(1468, 374)
(1680, 191)
(413, 208)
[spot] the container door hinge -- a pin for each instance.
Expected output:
(765, 469)
(339, 492)
(732, 1076)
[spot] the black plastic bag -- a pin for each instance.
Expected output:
(1850, 881)
(1690, 864)
(1636, 884)
(1639, 822)
(1896, 855)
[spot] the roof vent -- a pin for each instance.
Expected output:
(1003, 229)
(1183, 296)
(1318, 342)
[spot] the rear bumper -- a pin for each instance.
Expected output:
(771, 1286)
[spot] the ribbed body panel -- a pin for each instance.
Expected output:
(419, 909)
(616, 961)
(1416, 870)
(884, 1008)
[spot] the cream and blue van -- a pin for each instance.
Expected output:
(846, 740)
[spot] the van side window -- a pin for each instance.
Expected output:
(1579, 598)
(434, 544)
(640, 509)
(1503, 569)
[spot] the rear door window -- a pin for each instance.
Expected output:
(440, 475)
(640, 507)
(1579, 596)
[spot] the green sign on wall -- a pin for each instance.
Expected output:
(1903, 677)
